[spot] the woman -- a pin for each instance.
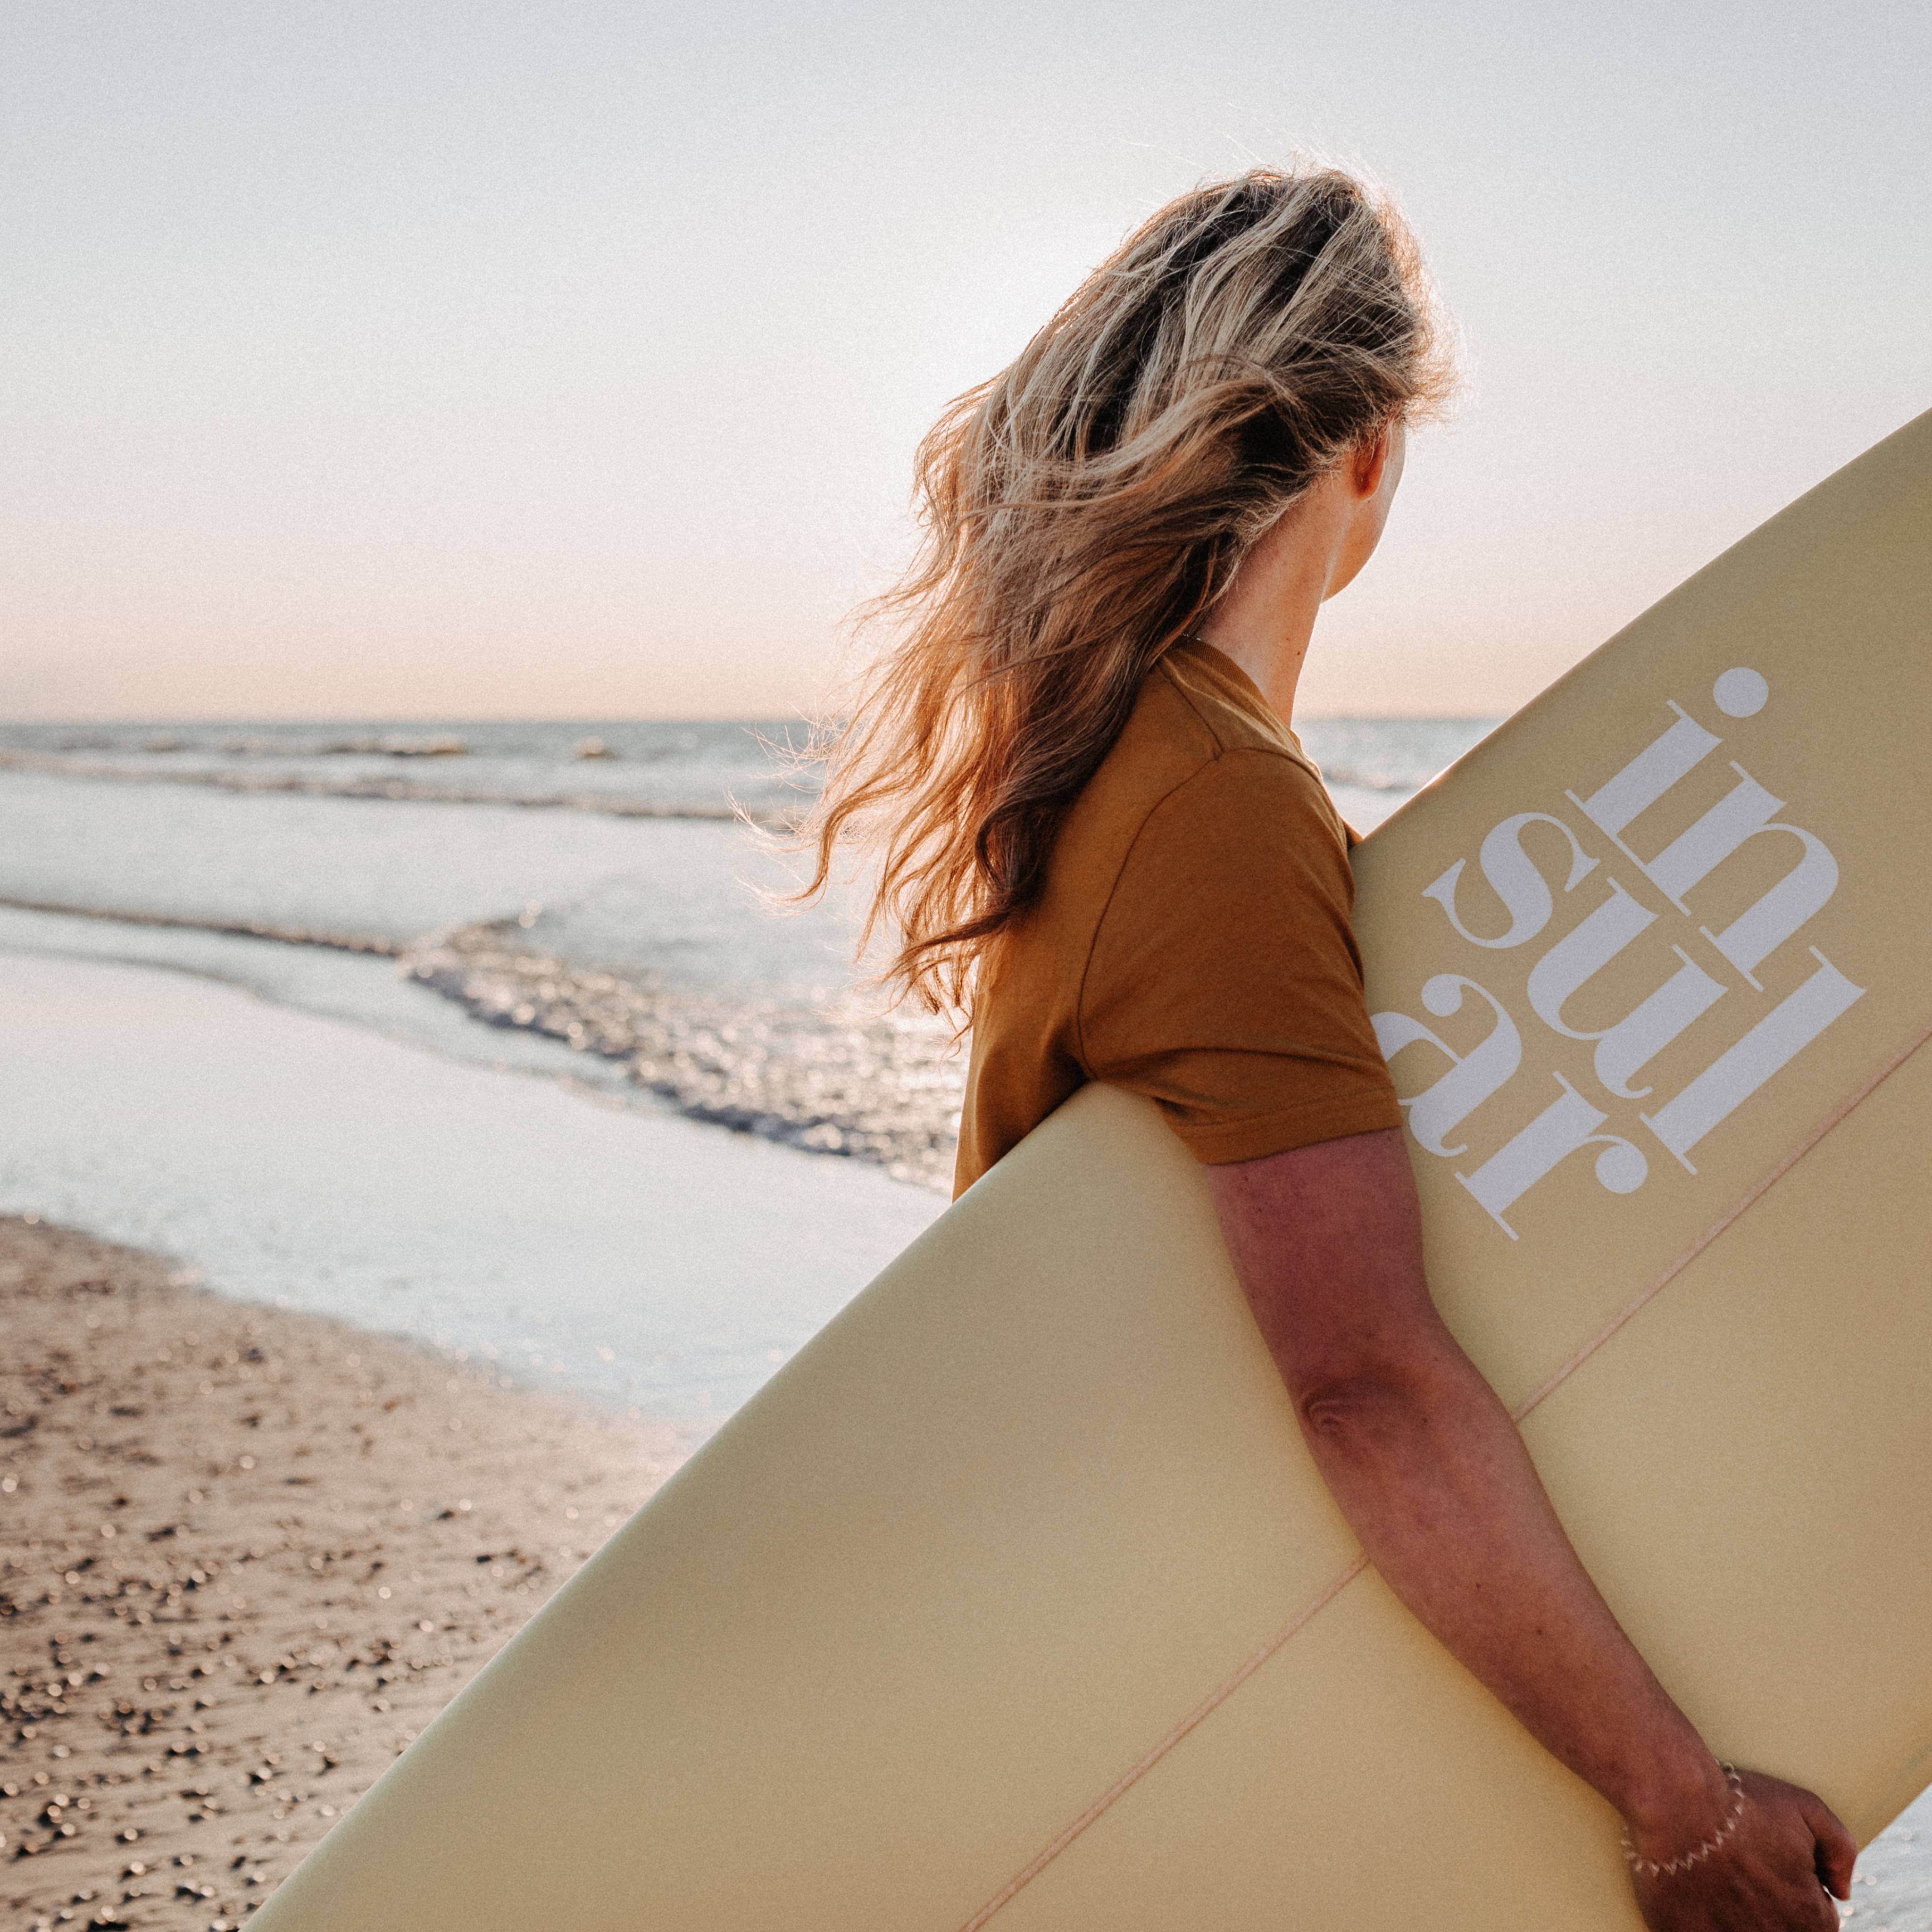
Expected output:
(1097, 837)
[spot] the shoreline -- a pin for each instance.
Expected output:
(297, 1145)
(246, 1554)
(757, 1066)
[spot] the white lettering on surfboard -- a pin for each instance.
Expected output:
(1680, 999)
(1472, 1077)
(1569, 1123)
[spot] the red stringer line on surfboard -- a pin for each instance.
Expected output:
(1214, 1698)
(1229, 1685)
(1711, 1234)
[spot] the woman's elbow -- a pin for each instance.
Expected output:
(1358, 1411)
(1340, 1412)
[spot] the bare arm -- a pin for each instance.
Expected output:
(1434, 1479)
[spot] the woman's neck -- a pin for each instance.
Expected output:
(1267, 637)
(1265, 618)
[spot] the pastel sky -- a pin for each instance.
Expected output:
(400, 359)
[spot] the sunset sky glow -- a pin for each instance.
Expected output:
(400, 360)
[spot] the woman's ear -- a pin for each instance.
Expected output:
(1371, 459)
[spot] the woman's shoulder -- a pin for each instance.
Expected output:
(1199, 726)
(1190, 751)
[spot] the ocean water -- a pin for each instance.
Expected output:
(609, 887)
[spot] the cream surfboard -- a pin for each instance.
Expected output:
(1014, 1600)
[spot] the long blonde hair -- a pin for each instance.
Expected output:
(1082, 509)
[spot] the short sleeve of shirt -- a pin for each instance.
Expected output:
(1224, 980)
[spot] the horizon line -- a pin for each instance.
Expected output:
(417, 717)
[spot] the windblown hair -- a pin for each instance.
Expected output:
(1082, 510)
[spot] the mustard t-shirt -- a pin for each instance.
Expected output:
(1192, 942)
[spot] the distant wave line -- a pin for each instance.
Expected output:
(382, 746)
(415, 793)
(393, 790)
(1368, 781)
(238, 929)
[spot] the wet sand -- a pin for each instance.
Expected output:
(247, 1554)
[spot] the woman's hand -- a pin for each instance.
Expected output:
(1772, 1874)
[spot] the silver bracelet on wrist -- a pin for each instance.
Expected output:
(1670, 1867)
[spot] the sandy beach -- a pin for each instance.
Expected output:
(249, 1554)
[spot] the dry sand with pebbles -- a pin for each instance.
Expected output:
(248, 1555)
